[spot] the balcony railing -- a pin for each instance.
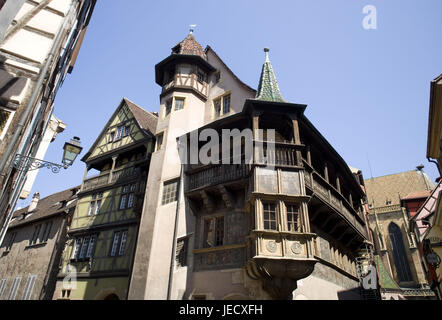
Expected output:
(217, 174)
(331, 196)
(283, 154)
(188, 81)
(119, 175)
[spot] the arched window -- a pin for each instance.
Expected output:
(399, 253)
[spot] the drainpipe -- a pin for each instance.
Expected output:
(30, 105)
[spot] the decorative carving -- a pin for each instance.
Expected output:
(297, 247)
(23, 163)
(271, 246)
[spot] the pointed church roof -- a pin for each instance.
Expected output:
(189, 46)
(268, 88)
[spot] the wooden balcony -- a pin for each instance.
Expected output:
(116, 176)
(328, 194)
(283, 154)
(217, 174)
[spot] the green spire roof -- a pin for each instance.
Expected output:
(268, 89)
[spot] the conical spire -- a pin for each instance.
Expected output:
(268, 89)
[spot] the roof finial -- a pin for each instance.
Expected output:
(266, 50)
(192, 28)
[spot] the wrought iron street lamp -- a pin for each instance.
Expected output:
(71, 150)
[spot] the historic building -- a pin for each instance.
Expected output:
(393, 200)
(427, 223)
(99, 252)
(288, 222)
(39, 44)
(30, 254)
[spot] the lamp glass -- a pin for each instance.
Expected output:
(70, 153)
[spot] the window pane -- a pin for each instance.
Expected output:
(76, 251)
(98, 207)
(91, 247)
(217, 106)
(269, 216)
(130, 201)
(226, 104)
(169, 192)
(123, 243)
(91, 208)
(168, 107)
(293, 218)
(179, 104)
(84, 247)
(115, 243)
(123, 202)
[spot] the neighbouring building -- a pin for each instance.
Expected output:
(30, 254)
(287, 223)
(103, 235)
(39, 44)
(393, 200)
(427, 223)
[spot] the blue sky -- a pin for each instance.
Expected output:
(367, 91)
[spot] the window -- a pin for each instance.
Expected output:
(5, 121)
(14, 288)
(221, 105)
(181, 252)
(217, 107)
(127, 130)
(179, 103)
(2, 287)
(95, 205)
(119, 243)
(269, 216)
(120, 133)
(65, 294)
(293, 218)
(214, 232)
(35, 235)
(111, 136)
(400, 259)
(29, 287)
(168, 107)
(388, 202)
(84, 247)
(47, 230)
(170, 192)
(217, 76)
(11, 241)
(159, 141)
(226, 104)
(201, 76)
(127, 196)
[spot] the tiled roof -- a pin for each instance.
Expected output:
(417, 195)
(385, 279)
(268, 88)
(189, 46)
(395, 186)
(146, 120)
(53, 204)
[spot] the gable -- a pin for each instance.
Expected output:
(121, 130)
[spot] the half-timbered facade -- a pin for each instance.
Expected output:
(102, 238)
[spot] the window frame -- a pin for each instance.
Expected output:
(118, 246)
(167, 196)
(127, 193)
(296, 213)
(271, 221)
(94, 208)
(221, 98)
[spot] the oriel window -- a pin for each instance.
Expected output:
(293, 218)
(269, 216)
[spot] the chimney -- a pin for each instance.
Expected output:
(34, 202)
